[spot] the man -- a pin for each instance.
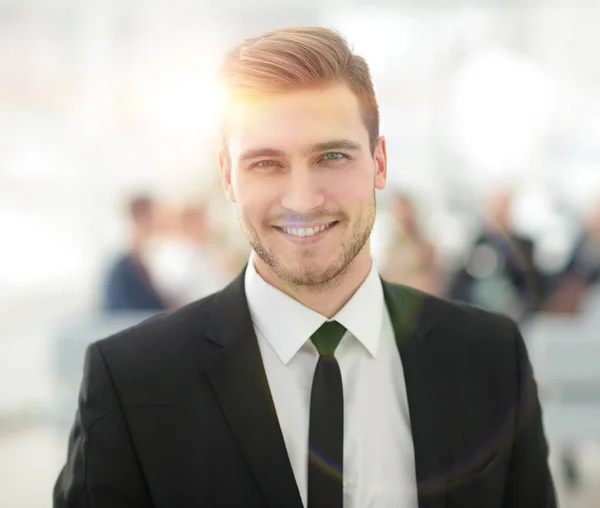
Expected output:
(500, 273)
(245, 399)
(583, 267)
(569, 289)
(128, 285)
(409, 257)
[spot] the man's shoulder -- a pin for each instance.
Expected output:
(121, 260)
(452, 319)
(157, 360)
(162, 336)
(120, 266)
(464, 342)
(468, 319)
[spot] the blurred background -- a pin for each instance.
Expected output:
(111, 209)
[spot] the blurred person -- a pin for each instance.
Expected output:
(499, 272)
(244, 398)
(581, 272)
(128, 286)
(572, 286)
(184, 266)
(585, 261)
(409, 257)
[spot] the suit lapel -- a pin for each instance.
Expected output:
(240, 384)
(425, 387)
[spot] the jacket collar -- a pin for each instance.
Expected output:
(240, 385)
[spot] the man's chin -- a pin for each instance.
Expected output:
(309, 275)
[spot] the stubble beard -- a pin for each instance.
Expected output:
(306, 278)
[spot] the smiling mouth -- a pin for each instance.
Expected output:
(306, 232)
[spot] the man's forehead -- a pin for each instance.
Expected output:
(294, 123)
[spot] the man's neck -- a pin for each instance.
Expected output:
(329, 298)
(137, 242)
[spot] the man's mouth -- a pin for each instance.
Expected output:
(307, 231)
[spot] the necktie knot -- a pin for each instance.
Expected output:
(327, 337)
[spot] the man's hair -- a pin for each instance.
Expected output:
(140, 207)
(289, 59)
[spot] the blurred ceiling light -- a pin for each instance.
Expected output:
(38, 151)
(184, 105)
(503, 104)
(380, 35)
(579, 184)
(23, 264)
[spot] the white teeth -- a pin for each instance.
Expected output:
(306, 231)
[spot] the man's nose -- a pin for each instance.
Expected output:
(302, 192)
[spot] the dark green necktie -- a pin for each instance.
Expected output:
(326, 427)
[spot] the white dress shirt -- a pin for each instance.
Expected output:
(379, 466)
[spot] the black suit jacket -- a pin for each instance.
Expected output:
(177, 412)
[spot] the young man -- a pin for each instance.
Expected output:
(308, 381)
(128, 286)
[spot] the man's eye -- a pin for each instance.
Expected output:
(333, 156)
(264, 164)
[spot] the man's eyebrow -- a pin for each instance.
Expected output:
(260, 152)
(335, 144)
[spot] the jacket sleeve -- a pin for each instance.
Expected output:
(102, 468)
(529, 483)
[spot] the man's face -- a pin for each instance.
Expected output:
(595, 221)
(149, 222)
(403, 212)
(302, 174)
(499, 207)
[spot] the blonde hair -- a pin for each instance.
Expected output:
(295, 58)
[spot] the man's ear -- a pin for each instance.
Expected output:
(225, 170)
(380, 156)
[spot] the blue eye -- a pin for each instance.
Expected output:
(334, 156)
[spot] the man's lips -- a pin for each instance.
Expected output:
(313, 231)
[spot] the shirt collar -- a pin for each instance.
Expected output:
(363, 314)
(287, 324)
